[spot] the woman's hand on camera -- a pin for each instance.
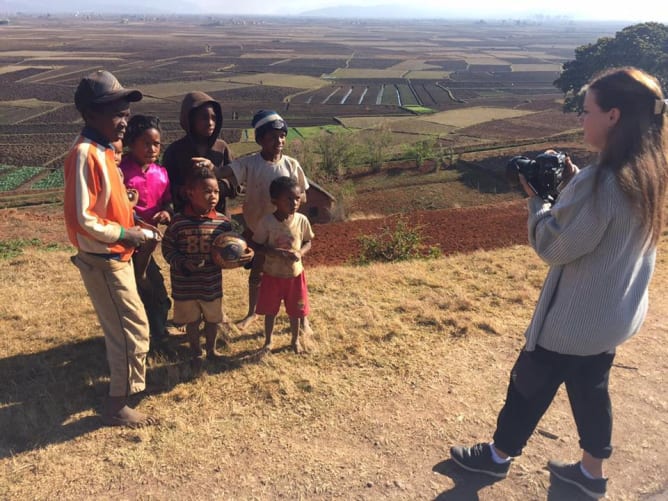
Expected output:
(570, 169)
(526, 186)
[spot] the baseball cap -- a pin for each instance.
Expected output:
(268, 119)
(102, 87)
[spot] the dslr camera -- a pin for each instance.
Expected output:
(544, 173)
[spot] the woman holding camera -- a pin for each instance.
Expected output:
(599, 239)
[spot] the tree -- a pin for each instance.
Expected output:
(376, 143)
(337, 151)
(644, 46)
(420, 151)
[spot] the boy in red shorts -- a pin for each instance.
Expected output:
(283, 237)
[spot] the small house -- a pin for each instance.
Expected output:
(319, 206)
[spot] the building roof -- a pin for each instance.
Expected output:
(316, 186)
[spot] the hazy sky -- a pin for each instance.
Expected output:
(632, 10)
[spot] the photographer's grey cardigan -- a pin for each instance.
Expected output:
(595, 293)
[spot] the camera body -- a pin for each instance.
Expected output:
(544, 173)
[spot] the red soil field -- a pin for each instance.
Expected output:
(452, 230)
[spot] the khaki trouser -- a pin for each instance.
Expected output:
(112, 289)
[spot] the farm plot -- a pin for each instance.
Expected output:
(280, 80)
(411, 125)
(450, 64)
(14, 73)
(311, 132)
(362, 122)
(428, 75)
(425, 95)
(388, 94)
(303, 66)
(53, 180)
(406, 95)
(34, 152)
(365, 74)
(41, 92)
(472, 116)
(13, 177)
(311, 114)
(64, 114)
(180, 88)
(533, 125)
(413, 65)
(531, 78)
(320, 96)
(372, 63)
(167, 110)
(12, 112)
(254, 93)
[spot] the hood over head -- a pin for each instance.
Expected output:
(194, 100)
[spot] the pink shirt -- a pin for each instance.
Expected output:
(152, 186)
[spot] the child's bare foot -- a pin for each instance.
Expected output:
(307, 340)
(245, 322)
(306, 328)
(213, 355)
(297, 346)
(127, 416)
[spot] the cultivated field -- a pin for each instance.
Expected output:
(463, 75)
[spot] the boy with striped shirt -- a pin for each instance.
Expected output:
(197, 288)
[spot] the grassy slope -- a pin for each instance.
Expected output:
(412, 358)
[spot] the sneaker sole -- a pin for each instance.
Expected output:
(591, 494)
(484, 472)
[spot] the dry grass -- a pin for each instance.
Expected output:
(411, 358)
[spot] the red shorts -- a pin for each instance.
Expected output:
(273, 290)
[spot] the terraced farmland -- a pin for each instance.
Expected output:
(320, 73)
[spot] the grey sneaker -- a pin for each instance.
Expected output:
(572, 474)
(479, 459)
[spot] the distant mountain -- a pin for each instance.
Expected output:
(120, 7)
(388, 12)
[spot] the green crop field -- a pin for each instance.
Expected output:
(51, 181)
(12, 178)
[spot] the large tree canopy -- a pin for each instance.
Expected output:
(644, 46)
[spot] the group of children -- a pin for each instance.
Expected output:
(113, 216)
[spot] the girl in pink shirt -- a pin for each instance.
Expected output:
(154, 205)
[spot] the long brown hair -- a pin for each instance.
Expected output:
(636, 149)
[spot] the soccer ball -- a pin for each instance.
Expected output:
(227, 249)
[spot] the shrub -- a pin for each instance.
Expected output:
(399, 244)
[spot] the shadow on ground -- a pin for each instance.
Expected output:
(467, 485)
(43, 394)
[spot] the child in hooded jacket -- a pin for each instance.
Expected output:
(202, 120)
